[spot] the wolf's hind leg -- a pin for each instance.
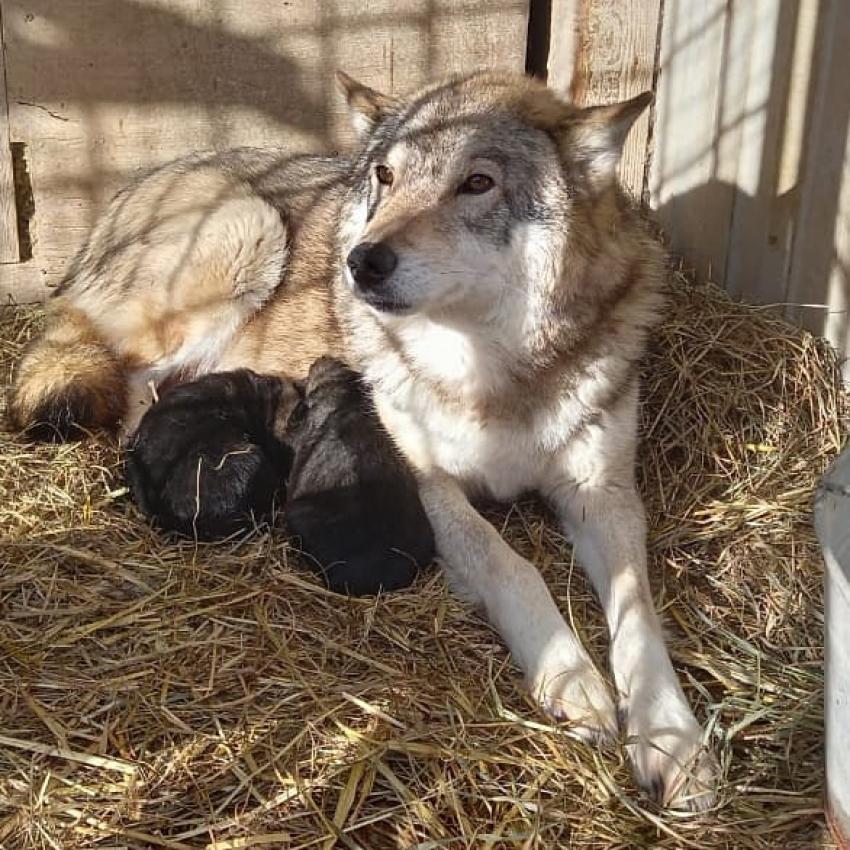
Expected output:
(67, 382)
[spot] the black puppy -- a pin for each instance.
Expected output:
(352, 499)
(205, 458)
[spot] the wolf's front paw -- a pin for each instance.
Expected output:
(570, 688)
(670, 760)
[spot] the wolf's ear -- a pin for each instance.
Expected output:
(596, 135)
(367, 106)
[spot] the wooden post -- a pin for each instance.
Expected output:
(602, 51)
(9, 249)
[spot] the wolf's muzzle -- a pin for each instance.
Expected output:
(371, 263)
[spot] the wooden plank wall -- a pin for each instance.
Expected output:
(750, 167)
(746, 158)
(725, 72)
(100, 89)
(819, 270)
(685, 154)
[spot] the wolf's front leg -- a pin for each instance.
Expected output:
(482, 568)
(664, 740)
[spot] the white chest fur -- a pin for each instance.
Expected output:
(492, 455)
(487, 457)
(432, 394)
(485, 453)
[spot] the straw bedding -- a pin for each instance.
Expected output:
(156, 693)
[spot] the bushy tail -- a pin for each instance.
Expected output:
(67, 382)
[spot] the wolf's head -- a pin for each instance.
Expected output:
(468, 194)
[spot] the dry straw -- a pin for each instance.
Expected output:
(161, 694)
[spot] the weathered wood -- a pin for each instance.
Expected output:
(22, 283)
(602, 51)
(761, 229)
(820, 265)
(9, 251)
(693, 205)
(562, 43)
(100, 89)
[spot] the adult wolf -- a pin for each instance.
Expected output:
(478, 263)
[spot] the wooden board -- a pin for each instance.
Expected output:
(818, 283)
(562, 44)
(762, 224)
(603, 51)
(100, 89)
(692, 206)
(22, 283)
(731, 106)
(9, 251)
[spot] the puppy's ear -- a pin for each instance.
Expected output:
(595, 137)
(367, 106)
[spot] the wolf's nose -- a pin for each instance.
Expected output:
(371, 263)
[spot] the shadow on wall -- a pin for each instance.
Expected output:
(826, 290)
(814, 294)
(276, 58)
(121, 51)
(700, 239)
(99, 89)
(752, 178)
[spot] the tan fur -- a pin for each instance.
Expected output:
(68, 361)
(198, 251)
(300, 324)
(173, 269)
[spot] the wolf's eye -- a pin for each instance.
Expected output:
(384, 175)
(476, 184)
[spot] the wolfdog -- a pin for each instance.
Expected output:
(477, 262)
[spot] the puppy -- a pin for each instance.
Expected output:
(352, 499)
(205, 460)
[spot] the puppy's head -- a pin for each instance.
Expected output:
(330, 379)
